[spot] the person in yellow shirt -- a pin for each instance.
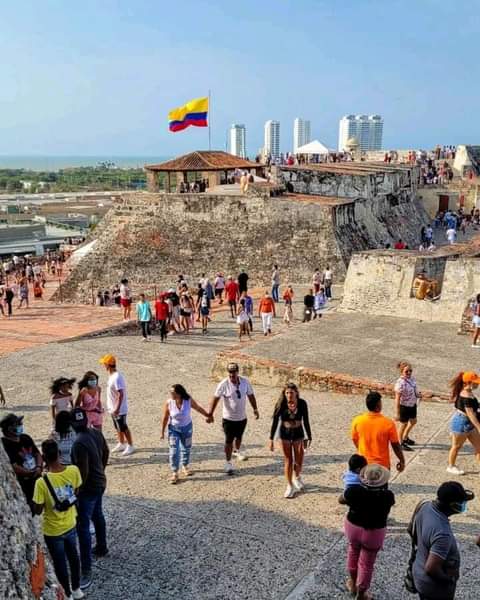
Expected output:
(55, 496)
(374, 433)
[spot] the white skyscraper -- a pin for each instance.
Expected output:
(301, 133)
(238, 144)
(368, 129)
(272, 139)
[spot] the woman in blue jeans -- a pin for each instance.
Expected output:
(465, 423)
(177, 414)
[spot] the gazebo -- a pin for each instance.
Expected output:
(213, 165)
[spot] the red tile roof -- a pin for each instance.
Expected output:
(204, 160)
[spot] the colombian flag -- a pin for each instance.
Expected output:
(192, 113)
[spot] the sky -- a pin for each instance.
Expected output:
(99, 77)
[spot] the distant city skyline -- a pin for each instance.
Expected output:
(98, 78)
(367, 129)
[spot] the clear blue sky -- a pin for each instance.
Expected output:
(99, 76)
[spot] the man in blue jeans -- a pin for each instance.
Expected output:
(275, 282)
(90, 455)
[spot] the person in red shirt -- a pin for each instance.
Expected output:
(400, 245)
(162, 315)
(233, 294)
(266, 310)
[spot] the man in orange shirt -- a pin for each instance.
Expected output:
(266, 310)
(373, 434)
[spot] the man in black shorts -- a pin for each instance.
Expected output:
(234, 391)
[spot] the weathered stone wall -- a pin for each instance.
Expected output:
(380, 283)
(19, 539)
(150, 238)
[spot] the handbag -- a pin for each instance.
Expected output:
(60, 505)
(408, 580)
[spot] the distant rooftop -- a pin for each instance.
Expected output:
(204, 160)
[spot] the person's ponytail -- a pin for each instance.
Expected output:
(456, 385)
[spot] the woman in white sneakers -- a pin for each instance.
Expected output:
(177, 414)
(291, 412)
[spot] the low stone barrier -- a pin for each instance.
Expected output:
(275, 374)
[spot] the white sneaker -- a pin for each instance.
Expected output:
(298, 484)
(128, 450)
(119, 448)
(289, 492)
(239, 456)
(455, 470)
(228, 468)
(77, 594)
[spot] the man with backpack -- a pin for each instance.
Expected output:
(435, 561)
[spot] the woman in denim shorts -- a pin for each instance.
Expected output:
(465, 423)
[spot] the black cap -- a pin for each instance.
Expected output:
(232, 367)
(453, 491)
(10, 420)
(78, 417)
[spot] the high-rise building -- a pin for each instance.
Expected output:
(301, 133)
(272, 139)
(238, 144)
(368, 129)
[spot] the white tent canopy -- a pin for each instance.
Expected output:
(314, 147)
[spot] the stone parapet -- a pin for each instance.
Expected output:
(276, 374)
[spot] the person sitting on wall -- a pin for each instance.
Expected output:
(425, 288)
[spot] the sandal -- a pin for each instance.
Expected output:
(174, 478)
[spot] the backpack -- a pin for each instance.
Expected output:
(408, 580)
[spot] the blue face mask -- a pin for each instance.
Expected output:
(92, 383)
(19, 429)
(460, 507)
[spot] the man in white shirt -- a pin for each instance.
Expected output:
(275, 283)
(234, 391)
(327, 282)
(117, 405)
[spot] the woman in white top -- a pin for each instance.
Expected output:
(177, 414)
(242, 320)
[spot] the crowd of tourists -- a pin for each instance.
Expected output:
(178, 309)
(65, 478)
(25, 277)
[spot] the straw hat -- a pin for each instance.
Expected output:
(374, 476)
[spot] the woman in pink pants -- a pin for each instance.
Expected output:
(366, 526)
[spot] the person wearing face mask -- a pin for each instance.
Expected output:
(89, 398)
(465, 423)
(24, 456)
(436, 566)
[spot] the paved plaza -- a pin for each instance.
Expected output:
(219, 537)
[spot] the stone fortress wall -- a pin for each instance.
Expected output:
(151, 237)
(380, 283)
(20, 540)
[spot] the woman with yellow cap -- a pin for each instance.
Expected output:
(465, 423)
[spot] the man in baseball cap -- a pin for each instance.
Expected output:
(436, 567)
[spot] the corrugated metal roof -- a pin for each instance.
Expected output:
(204, 160)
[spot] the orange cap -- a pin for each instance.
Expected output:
(108, 359)
(470, 377)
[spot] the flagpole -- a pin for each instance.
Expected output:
(209, 117)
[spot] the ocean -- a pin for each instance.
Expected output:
(55, 163)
